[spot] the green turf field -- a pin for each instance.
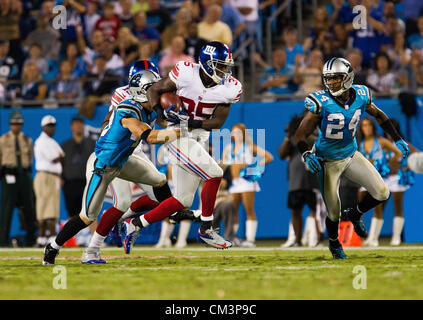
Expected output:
(202, 273)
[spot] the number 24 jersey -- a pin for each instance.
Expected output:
(338, 123)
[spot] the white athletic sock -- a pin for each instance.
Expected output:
(235, 228)
(129, 213)
(397, 229)
(378, 227)
(250, 230)
(305, 239)
(184, 227)
(313, 237)
(96, 240)
(55, 245)
(197, 213)
(371, 234)
(42, 241)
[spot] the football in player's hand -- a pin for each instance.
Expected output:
(168, 98)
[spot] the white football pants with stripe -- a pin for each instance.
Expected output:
(137, 169)
(191, 163)
(356, 168)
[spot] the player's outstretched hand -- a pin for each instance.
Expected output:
(174, 116)
(403, 147)
(312, 162)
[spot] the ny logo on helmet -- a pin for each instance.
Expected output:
(210, 50)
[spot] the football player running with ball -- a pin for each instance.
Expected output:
(129, 123)
(207, 91)
(337, 111)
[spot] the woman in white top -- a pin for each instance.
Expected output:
(247, 162)
(382, 79)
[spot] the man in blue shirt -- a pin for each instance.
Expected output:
(277, 79)
(415, 41)
(292, 48)
(144, 32)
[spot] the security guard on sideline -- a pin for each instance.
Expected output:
(16, 155)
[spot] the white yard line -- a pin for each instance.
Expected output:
(143, 249)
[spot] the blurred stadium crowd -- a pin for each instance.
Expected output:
(48, 66)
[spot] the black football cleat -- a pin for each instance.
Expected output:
(337, 251)
(183, 214)
(359, 226)
(49, 255)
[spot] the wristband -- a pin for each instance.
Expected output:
(389, 128)
(195, 124)
(145, 135)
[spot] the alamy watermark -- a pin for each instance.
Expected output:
(360, 20)
(59, 21)
(360, 280)
(60, 281)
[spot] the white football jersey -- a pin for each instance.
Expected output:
(120, 94)
(200, 102)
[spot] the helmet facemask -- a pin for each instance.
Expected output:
(221, 70)
(140, 82)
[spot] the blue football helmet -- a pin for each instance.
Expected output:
(140, 82)
(216, 61)
(142, 65)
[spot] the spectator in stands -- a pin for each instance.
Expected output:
(47, 7)
(212, 29)
(125, 13)
(109, 23)
(126, 47)
(45, 36)
(91, 17)
(32, 88)
(382, 80)
(355, 57)
(412, 10)
(36, 57)
(387, 37)
(399, 54)
(179, 28)
(145, 52)
(175, 54)
(232, 17)
(389, 11)
(326, 44)
(157, 17)
(413, 77)
(78, 65)
(346, 14)
(321, 21)
(277, 79)
(333, 9)
(67, 86)
(367, 40)
(114, 62)
(144, 32)
(75, 9)
(292, 47)
(415, 41)
(194, 8)
(309, 77)
(89, 53)
(105, 81)
(193, 43)
(8, 66)
(10, 12)
(340, 38)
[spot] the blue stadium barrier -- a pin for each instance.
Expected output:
(273, 215)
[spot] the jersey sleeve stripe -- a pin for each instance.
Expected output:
(316, 102)
(130, 108)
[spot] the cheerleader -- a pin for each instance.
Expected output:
(375, 149)
(400, 179)
(247, 162)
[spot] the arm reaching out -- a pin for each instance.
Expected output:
(144, 131)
